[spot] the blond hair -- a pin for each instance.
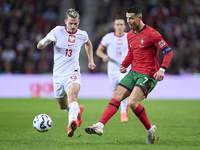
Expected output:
(72, 13)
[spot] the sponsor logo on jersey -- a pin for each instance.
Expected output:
(161, 43)
(72, 38)
(119, 42)
(142, 42)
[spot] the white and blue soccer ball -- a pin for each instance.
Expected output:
(42, 123)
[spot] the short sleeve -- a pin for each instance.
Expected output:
(54, 31)
(86, 38)
(104, 41)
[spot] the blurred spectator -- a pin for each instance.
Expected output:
(50, 14)
(8, 55)
(44, 62)
(18, 64)
(22, 24)
(79, 6)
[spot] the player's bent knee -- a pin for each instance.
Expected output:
(72, 98)
(121, 93)
(117, 96)
(133, 104)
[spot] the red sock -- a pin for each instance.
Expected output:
(142, 116)
(110, 110)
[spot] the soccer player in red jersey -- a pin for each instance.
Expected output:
(144, 44)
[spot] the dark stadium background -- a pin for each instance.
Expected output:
(23, 23)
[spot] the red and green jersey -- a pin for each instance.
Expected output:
(143, 51)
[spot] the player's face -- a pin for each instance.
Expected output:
(119, 25)
(72, 24)
(133, 20)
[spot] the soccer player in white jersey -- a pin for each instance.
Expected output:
(66, 71)
(117, 48)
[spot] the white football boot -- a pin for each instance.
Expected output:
(94, 130)
(151, 134)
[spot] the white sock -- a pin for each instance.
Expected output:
(124, 105)
(100, 124)
(150, 130)
(73, 111)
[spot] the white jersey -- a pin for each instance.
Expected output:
(117, 49)
(66, 50)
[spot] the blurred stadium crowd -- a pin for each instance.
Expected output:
(24, 23)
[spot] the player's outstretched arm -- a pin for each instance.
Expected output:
(89, 51)
(45, 41)
(101, 54)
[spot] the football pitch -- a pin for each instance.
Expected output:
(177, 121)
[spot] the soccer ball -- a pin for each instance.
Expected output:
(42, 123)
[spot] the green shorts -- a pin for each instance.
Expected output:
(145, 82)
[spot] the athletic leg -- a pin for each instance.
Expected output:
(120, 94)
(72, 96)
(124, 103)
(135, 97)
(124, 110)
(62, 102)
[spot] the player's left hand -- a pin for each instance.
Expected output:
(159, 76)
(91, 65)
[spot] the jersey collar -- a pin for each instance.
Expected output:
(69, 32)
(117, 35)
(140, 30)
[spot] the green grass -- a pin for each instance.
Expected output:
(177, 121)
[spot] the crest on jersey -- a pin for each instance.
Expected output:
(142, 42)
(161, 43)
(119, 42)
(72, 38)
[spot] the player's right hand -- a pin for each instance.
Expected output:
(122, 69)
(91, 65)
